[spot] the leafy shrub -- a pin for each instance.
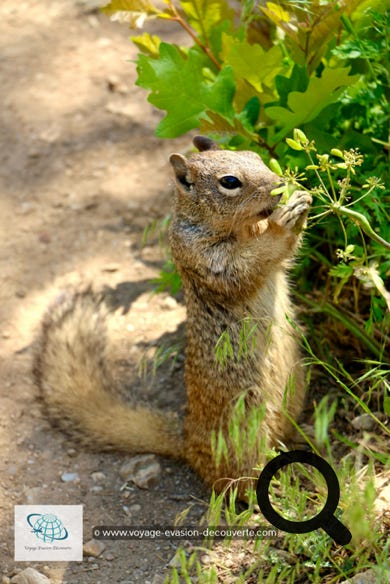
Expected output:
(249, 77)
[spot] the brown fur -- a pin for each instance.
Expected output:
(231, 247)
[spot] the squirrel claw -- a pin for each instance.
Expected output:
(292, 215)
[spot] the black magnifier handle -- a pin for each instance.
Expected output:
(325, 519)
(337, 530)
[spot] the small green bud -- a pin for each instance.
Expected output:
(293, 144)
(275, 167)
(300, 136)
(337, 152)
(278, 191)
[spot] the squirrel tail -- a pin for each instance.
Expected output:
(72, 375)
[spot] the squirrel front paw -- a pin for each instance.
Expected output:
(293, 214)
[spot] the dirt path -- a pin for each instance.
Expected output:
(81, 175)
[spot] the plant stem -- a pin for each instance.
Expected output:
(180, 20)
(363, 222)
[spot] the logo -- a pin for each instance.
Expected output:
(47, 528)
(325, 518)
(49, 533)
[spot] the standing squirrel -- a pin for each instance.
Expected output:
(231, 244)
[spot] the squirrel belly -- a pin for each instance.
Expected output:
(70, 370)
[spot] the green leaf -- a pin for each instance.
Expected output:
(386, 405)
(185, 88)
(135, 12)
(205, 15)
(343, 271)
(305, 106)
(148, 44)
(298, 81)
(250, 113)
(251, 62)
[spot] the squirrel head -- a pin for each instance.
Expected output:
(222, 189)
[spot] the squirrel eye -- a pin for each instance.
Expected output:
(230, 182)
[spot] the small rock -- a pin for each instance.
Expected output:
(104, 42)
(115, 85)
(109, 556)
(71, 452)
(70, 477)
(367, 577)
(175, 562)
(98, 477)
(5, 580)
(44, 237)
(110, 267)
(169, 303)
(34, 496)
(34, 153)
(135, 508)
(26, 208)
(205, 559)
(364, 422)
(158, 579)
(143, 470)
(30, 576)
(93, 548)
(148, 478)
(96, 489)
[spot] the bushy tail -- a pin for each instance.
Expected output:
(71, 372)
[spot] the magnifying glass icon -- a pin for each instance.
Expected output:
(325, 518)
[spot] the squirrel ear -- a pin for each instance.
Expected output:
(181, 168)
(202, 144)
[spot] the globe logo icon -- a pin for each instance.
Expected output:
(47, 527)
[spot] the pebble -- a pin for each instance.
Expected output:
(98, 477)
(363, 422)
(367, 577)
(158, 579)
(34, 496)
(143, 470)
(169, 303)
(175, 562)
(111, 267)
(94, 548)
(70, 477)
(115, 85)
(25, 208)
(71, 452)
(30, 576)
(5, 580)
(135, 508)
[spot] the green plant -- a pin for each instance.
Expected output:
(338, 192)
(251, 76)
(257, 73)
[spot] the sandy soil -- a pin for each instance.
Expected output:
(81, 175)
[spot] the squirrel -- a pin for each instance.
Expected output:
(231, 243)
